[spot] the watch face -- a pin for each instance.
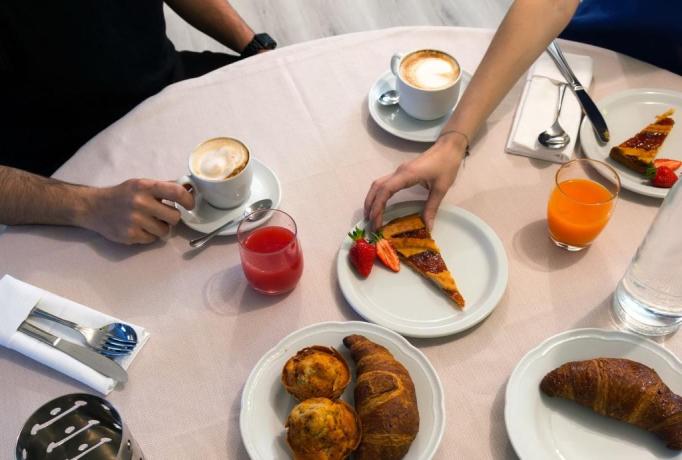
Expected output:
(266, 41)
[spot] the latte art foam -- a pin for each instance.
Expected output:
(429, 70)
(220, 162)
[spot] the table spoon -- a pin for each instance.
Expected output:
(265, 203)
(390, 97)
(555, 137)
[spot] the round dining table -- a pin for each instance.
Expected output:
(303, 112)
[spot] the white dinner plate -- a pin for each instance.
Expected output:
(544, 428)
(394, 120)
(412, 305)
(626, 114)
(266, 404)
(205, 218)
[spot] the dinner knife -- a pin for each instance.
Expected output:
(94, 360)
(589, 107)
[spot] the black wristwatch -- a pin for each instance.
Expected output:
(259, 42)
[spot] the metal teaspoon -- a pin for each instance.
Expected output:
(555, 137)
(390, 97)
(265, 203)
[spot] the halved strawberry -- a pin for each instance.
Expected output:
(667, 162)
(362, 253)
(386, 252)
(662, 176)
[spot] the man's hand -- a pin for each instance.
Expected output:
(132, 212)
(435, 169)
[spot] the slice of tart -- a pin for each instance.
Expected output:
(412, 240)
(638, 152)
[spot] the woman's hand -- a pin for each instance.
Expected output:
(435, 169)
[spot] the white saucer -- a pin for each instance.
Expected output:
(394, 120)
(626, 113)
(205, 218)
(544, 428)
(409, 304)
(266, 404)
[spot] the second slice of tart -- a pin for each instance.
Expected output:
(415, 246)
(639, 152)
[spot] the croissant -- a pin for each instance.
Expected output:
(385, 400)
(623, 389)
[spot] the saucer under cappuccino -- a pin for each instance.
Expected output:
(429, 69)
(219, 159)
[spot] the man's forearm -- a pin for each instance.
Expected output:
(530, 25)
(216, 18)
(26, 198)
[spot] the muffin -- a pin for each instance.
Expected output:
(322, 429)
(316, 372)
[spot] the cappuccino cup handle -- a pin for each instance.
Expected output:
(190, 186)
(395, 63)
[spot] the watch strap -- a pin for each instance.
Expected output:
(259, 42)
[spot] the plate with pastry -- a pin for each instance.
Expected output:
(596, 394)
(434, 283)
(643, 138)
(339, 388)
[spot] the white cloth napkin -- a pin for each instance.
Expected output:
(537, 108)
(16, 301)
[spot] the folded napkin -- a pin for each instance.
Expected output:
(537, 108)
(16, 301)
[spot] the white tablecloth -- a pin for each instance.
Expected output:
(303, 111)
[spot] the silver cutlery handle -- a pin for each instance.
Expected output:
(37, 333)
(199, 242)
(49, 316)
(558, 56)
(562, 92)
(589, 108)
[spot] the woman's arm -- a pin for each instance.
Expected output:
(525, 32)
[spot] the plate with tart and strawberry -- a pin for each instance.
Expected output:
(646, 145)
(423, 283)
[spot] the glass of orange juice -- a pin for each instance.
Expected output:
(581, 203)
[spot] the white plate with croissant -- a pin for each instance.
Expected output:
(270, 414)
(596, 394)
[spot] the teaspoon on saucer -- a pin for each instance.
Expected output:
(265, 203)
(388, 98)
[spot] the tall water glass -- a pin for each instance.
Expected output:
(648, 299)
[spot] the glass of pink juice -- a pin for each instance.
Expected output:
(271, 255)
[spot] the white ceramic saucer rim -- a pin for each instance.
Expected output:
(373, 106)
(232, 230)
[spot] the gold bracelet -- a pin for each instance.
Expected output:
(454, 131)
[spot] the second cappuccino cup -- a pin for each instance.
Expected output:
(220, 172)
(428, 83)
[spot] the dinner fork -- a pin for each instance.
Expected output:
(115, 339)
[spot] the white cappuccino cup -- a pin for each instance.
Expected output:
(220, 172)
(428, 82)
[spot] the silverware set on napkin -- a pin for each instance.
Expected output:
(115, 339)
(588, 106)
(107, 342)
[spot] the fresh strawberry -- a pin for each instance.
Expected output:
(662, 176)
(672, 164)
(386, 252)
(362, 253)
